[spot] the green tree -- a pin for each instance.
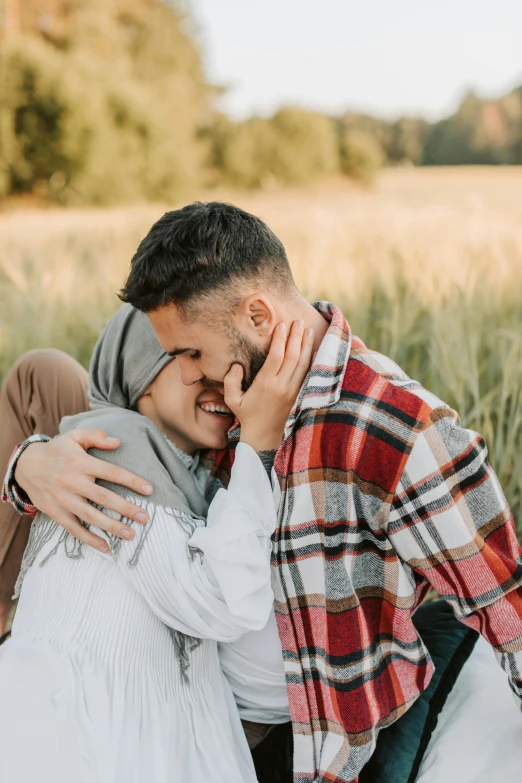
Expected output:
(242, 152)
(361, 156)
(103, 103)
(305, 147)
(480, 132)
(406, 140)
(294, 147)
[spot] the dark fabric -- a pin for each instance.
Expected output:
(42, 386)
(401, 747)
(268, 458)
(255, 732)
(273, 757)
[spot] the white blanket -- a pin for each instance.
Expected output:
(478, 738)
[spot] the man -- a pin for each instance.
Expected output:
(381, 492)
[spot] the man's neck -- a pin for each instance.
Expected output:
(301, 309)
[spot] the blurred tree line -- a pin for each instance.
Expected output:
(105, 101)
(101, 100)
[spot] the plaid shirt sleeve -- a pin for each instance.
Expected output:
(11, 492)
(451, 524)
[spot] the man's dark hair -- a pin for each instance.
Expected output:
(201, 252)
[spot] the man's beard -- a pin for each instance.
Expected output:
(248, 355)
(245, 353)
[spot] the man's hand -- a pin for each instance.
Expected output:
(264, 409)
(60, 477)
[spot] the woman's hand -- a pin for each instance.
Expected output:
(263, 410)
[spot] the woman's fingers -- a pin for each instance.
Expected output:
(292, 353)
(305, 359)
(276, 354)
(265, 406)
(233, 391)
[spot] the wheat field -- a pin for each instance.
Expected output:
(427, 267)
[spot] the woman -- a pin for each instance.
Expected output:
(112, 672)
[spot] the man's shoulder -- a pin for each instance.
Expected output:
(374, 379)
(373, 425)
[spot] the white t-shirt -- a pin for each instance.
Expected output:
(253, 665)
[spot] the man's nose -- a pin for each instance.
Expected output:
(189, 371)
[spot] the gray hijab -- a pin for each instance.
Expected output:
(125, 361)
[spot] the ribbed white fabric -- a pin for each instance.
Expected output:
(253, 666)
(91, 686)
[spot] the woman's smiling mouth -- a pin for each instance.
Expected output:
(218, 409)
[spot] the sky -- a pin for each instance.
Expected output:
(388, 57)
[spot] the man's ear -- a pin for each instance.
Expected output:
(257, 313)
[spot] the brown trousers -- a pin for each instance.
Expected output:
(43, 386)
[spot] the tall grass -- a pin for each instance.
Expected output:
(467, 349)
(428, 270)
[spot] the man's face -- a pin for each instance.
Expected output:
(206, 351)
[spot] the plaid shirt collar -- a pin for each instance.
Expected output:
(322, 386)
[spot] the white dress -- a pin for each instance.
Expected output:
(92, 688)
